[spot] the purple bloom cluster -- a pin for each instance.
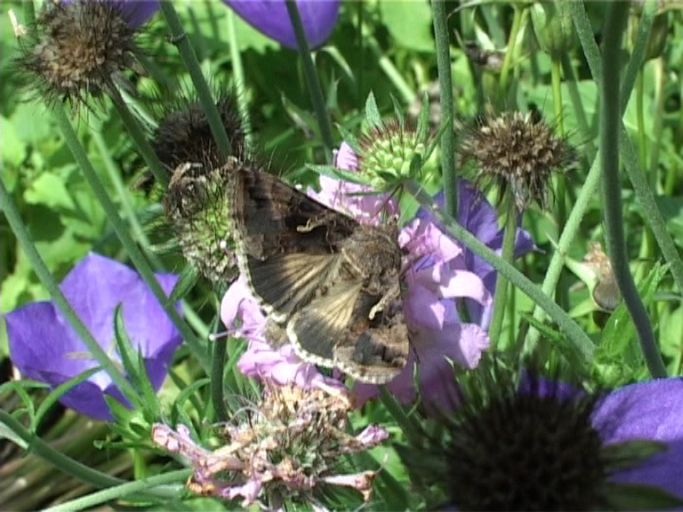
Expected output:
(44, 347)
(438, 272)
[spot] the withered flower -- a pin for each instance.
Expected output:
(519, 152)
(286, 449)
(77, 49)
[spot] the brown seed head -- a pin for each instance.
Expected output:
(519, 152)
(75, 49)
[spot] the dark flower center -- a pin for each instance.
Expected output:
(526, 452)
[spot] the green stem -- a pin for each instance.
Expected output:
(317, 98)
(581, 342)
(508, 255)
(48, 281)
(217, 372)
(393, 74)
(123, 490)
(610, 123)
(240, 82)
(56, 458)
(639, 181)
(139, 140)
(510, 51)
(121, 230)
(182, 42)
(443, 64)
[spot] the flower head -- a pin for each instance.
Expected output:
(544, 445)
(44, 347)
(270, 17)
(77, 48)
(287, 448)
(519, 151)
(183, 135)
(197, 208)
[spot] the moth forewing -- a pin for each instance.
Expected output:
(330, 280)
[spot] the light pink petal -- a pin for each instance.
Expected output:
(249, 491)
(372, 435)
(465, 284)
(362, 482)
(345, 158)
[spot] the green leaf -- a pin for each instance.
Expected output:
(12, 149)
(372, 117)
(58, 392)
(50, 190)
(409, 23)
(189, 277)
(630, 453)
(639, 497)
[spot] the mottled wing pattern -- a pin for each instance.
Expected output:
(287, 243)
(296, 255)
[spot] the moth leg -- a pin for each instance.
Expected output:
(321, 220)
(392, 294)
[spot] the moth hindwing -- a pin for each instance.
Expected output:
(330, 282)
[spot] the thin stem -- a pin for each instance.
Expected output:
(393, 74)
(217, 372)
(508, 255)
(443, 64)
(316, 93)
(139, 140)
(123, 490)
(121, 230)
(46, 278)
(240, 83)
(639, 181)
(54, 457)
(182, 42)
(610, 123)
(510, 51)
(581, 342)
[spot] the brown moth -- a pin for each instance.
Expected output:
(330, 282)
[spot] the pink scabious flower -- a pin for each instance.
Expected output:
(438, 274)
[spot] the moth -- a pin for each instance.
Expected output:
(331, 283)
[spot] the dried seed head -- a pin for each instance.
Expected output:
(386, 152)
(287, 448)
(519, 152)
(197, 208)
(183, 135)
(75, 49)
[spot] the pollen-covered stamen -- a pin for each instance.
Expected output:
(532, 449)
(76, 48)
(386, 152)
(519, 152)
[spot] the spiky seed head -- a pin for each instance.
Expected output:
(75, 49)
(386, 152)
(184, 135)
(519, 152)
(197, 208)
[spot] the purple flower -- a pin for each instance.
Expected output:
(270, 17)
(648, 411)
(242, 315)
(44, 347)
(135, 12)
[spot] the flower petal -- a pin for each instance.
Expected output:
(647, 410)
(270, 17)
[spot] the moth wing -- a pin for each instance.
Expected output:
(283, 236)
(315, 329)
(377, 354)
(335, 331)
(284, 282)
